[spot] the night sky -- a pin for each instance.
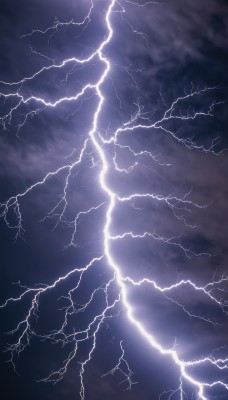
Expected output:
(158, 53)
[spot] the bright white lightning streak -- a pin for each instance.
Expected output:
(113, 199)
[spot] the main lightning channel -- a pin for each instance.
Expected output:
(107, 235)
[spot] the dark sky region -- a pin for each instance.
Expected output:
(158, 52)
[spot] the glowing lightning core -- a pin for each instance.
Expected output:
(113, 199)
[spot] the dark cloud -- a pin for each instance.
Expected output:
(180, 33)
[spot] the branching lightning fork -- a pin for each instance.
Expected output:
(117, 281)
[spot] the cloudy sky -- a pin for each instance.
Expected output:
(159, 53)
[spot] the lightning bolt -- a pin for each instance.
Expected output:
(113, 293)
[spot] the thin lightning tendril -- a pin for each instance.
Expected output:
(117, 281)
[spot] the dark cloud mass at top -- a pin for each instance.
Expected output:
(159, 52)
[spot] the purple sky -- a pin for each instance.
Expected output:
(158, 53)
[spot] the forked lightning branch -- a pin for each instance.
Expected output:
(118, 282)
